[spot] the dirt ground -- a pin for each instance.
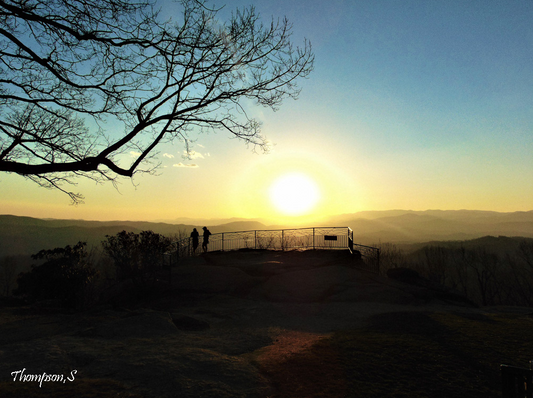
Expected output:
(207, 334)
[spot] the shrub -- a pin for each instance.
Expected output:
(137, 256)
(64, 276)
(8, 275)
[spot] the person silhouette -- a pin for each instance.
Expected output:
(194, 236)
(206, 239)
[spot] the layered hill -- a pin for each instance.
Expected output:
(401, 226)
(26, 235)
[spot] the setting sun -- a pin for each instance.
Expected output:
(294, 194)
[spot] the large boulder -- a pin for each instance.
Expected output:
(406, 275)
(213, 279)
(310, 285)
(188, 323)
(134, 324)
(424, 290)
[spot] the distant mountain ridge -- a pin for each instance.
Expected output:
(447, 214)
(406, 226)
(27, 235)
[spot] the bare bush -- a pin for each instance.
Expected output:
(137, 256)
(391, 256)
(482, 275)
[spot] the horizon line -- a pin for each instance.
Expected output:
(226, 220)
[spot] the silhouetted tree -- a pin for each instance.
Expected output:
(83, 83)
(64, 275)
(8, 274)
(137, 256)
(525, 252)
(520, 266)
(461, 258)
(390, 256)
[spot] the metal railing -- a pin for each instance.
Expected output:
(517, 382)
(283, 239)
(370, 255)
(317, 238)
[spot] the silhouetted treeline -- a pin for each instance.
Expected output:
(495, 271)
(488, 271)
(65, 275)
(75, 278)
(26, 235)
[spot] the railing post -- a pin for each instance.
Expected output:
(313, 238)
(516, 382)
(222, 241)
(255, 239)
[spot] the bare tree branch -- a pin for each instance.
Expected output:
(70, 67)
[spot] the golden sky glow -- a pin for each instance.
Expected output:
(418, 105)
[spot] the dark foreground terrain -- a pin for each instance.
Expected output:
(266, 324)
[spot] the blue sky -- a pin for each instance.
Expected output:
(412, 105)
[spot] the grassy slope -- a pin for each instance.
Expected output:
(403, 355)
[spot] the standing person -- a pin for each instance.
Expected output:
(194, 236)
(206, 239)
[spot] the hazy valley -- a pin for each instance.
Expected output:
(230, 324)
(26, 235)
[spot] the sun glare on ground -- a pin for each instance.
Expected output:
(294, 194)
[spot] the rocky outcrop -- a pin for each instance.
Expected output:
(212, 279)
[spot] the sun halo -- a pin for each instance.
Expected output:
(294, 194)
